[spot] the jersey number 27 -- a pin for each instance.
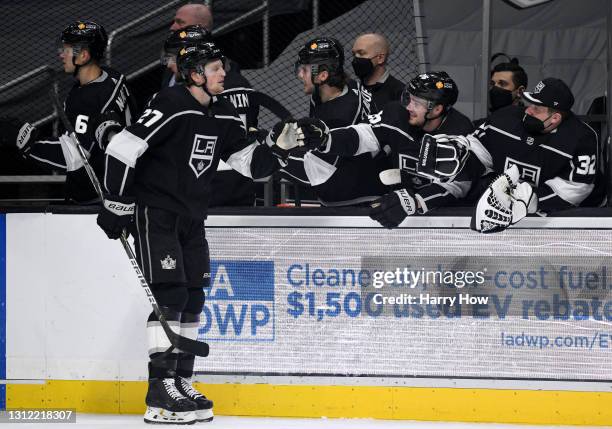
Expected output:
(149, 117)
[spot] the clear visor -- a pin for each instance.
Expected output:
(68, 50)
(167, 58)
(408, 99)
(300, 68)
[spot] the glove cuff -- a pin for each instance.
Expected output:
(119, 206)
(407, 201)
(25, 136)
(105, 131)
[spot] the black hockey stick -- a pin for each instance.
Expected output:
(185, 344)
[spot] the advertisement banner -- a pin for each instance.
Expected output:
(525, 304)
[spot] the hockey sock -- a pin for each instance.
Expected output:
(171, 299)
(190, 322)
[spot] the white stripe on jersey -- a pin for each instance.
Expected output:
(457, 189)
(306, 182)
(572, 192)
(241, 160)
(317, 170)
(480, 151)
(184, 112)
(506, 133)
(367, 139)
(112, 97)
(547, 197)
(232, 118)
(567, 155)
(71, 154)
(46, 161)
(408, 136)
(126, 147)
(237, 89)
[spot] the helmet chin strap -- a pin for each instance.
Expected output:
(203, 85)
(429, 109)
(77, 67)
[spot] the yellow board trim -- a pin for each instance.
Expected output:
(395, 403)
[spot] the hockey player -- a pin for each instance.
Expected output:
(426, 107)
(159, 173)
(98, 105)
(545, 157)
(334, 99)
(232, 188)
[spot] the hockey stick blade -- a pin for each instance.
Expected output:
(185, 344)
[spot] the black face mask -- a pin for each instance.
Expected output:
(499, 97)
(533, 125)
(363, 67)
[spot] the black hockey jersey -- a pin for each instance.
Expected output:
(389, 131)
(82, 106)
(561, 165)
(230, 187)
(167, 159)
(335, 180)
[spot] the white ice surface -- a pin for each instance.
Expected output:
(103, 421)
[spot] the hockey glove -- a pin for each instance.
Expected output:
(313, 133)
(106, 126)
(504, 203)
(282, 139)
(17, 134)
(392, 208)
(441, 157)
(255, 135)
(115, 215)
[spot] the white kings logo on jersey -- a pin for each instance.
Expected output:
(202, 153)
(528, 173)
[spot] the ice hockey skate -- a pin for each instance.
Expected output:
(204, 412)
(166, 405)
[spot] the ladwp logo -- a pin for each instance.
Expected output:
(240, 303)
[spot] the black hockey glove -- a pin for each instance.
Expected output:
(392, 208)
(313, 133)
(442, 156)
(17, 134)
(106, 126)
(282, 139)
(115, 215)
(256, 135)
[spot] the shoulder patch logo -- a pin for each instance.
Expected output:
(202, 153)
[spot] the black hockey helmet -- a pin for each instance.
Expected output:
(192, 35)
(86, 34)
(195, 58)
(435, 87)
(322, 51)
